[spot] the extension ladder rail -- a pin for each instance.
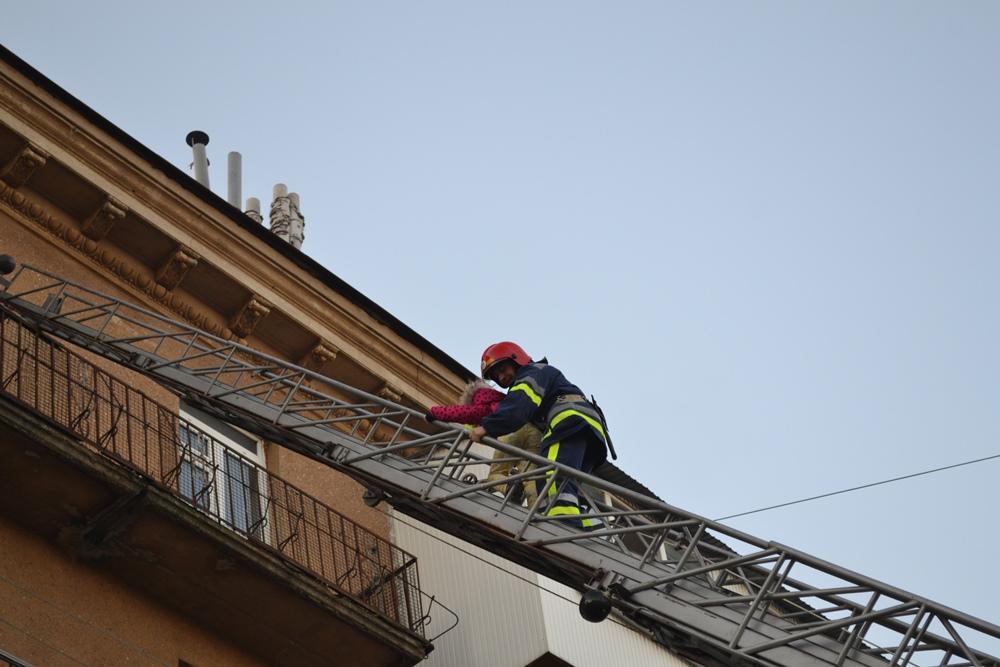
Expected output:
(661, 566)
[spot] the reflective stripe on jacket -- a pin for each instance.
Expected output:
(541, 394)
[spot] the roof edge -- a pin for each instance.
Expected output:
(299, 258)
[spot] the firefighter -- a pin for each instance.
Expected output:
(574, 432)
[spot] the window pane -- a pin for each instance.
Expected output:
(242, 495)
(185, 435)
(193, 484)
(232, 437)
(216, 476)
(190, 437)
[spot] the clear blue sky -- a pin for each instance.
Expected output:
(764, 234)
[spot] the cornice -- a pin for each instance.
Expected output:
(216, 239)
(34, 215)
(142, 283)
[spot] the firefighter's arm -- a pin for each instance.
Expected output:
(513, 412)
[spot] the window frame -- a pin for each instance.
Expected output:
(222, 451)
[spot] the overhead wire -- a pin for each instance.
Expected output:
(724, 518)
(731, 516)
(858, 488)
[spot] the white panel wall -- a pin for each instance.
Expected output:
(586, 644)
(501, 623)
(506, 621)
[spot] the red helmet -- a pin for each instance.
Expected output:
(498, 352)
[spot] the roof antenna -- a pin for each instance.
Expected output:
(197, 140)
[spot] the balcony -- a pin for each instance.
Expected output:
(92, 463)
(7, 660)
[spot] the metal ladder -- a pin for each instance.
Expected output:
(663, 568)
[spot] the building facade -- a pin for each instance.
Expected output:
(136, 529)
(140, 528)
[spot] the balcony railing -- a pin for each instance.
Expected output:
(119, 422)
(7, 660)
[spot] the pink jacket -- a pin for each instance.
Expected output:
(477, 401)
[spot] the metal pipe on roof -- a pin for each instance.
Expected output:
(297, 224)
(234, 193)
(197, 140)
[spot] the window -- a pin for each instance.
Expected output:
(222, 472)
(196, 466)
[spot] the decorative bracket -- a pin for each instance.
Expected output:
(172, 272)
(100, 222)
(249, 316)
(390, 393)
(24, 165)
(318, 357)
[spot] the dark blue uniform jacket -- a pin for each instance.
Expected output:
(542, 395)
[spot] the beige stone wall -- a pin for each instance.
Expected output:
(55, 612)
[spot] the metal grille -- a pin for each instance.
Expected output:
(123, 424)
(662, 566)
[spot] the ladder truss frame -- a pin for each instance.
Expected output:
(690, 593)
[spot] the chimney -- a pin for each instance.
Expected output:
(253, 210)
(281, 212)
(235, 190)
(197, 140)
(287, 221)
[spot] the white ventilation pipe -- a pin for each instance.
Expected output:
(235, 190)
(297, 224)
(197, 140)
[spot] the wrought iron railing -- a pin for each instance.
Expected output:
(117, 421)
(7, 660)
(660, 565)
